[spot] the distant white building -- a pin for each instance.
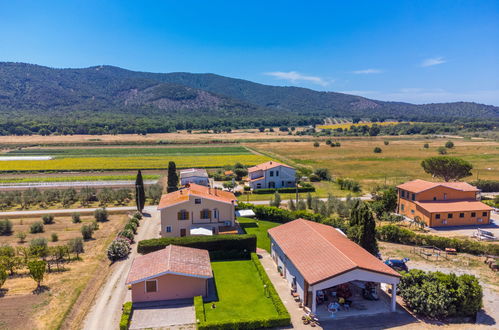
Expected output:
(194, 175)
(271, 175)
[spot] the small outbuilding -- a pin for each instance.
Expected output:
(194, 175)
(175, 272)
(325, 269)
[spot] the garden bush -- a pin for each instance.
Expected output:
(396, 234)
(126, 316)
(438, 295)
(377, 150)
(36, 227)
(131, 226)
(137, 215)
(38, 242)
(118, 249)
(126, 233)
(220, 246)
(54, 237)
(48, 219)
(5, 227)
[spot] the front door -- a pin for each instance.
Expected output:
(271, 184)
(182, 232)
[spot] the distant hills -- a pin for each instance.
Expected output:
(107, 95)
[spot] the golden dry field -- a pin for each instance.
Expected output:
(399, 160)
(22, 309)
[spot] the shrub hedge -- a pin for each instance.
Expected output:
(396, 234)
(126, 316)
(283, 190)
(219, 246)
(439, 295)
(283, 318)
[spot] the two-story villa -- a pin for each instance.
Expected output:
(271, 175)
(196, 210)
(442, 203)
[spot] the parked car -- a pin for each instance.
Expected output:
(398, 264)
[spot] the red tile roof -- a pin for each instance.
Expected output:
(196, 190)
(320, 252)
(173, 259)
(266, 166)
(453, 206)
(418, 185)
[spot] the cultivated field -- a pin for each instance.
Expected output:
(22, 309)
(127, 158)
(399, 161)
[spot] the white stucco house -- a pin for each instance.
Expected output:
(271, 175)
(321, 264)
(194, 175)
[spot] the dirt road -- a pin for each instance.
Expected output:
(106, 310)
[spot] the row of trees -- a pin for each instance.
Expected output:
(67, 197)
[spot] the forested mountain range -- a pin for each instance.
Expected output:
(111, 99)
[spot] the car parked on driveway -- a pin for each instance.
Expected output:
(398, 264)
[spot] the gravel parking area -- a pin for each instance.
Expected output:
(163, 316)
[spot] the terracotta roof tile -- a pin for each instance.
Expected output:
(266, 166)
(173, 259)
(196, 190)
(453, 206)
(320, 252)
(418, 185)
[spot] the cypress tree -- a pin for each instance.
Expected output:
(172, 177)
(363, 227)
(140, 195)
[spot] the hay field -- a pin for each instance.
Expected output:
(398, 162)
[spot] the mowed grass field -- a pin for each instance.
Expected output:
(399, 161)
(126, 158)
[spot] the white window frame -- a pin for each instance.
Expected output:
(168, 227)
(145, 286)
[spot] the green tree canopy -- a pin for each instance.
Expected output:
(447, 168)
(37, 271)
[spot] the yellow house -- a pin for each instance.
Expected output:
(442, 203)
(197, 210)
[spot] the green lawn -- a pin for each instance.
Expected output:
(240, 293)
(259, 228)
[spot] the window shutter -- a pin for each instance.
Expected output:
(209, 215)
(186, 215)
(179, 216)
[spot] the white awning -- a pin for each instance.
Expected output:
(245, 213)
(201, 231)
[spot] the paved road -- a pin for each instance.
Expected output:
(106, 310)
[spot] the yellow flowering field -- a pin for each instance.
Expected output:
(127, 163)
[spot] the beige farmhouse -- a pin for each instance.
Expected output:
(197, 210)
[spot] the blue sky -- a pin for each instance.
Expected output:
(414, 51)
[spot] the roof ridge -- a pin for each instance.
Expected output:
(334, 246)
